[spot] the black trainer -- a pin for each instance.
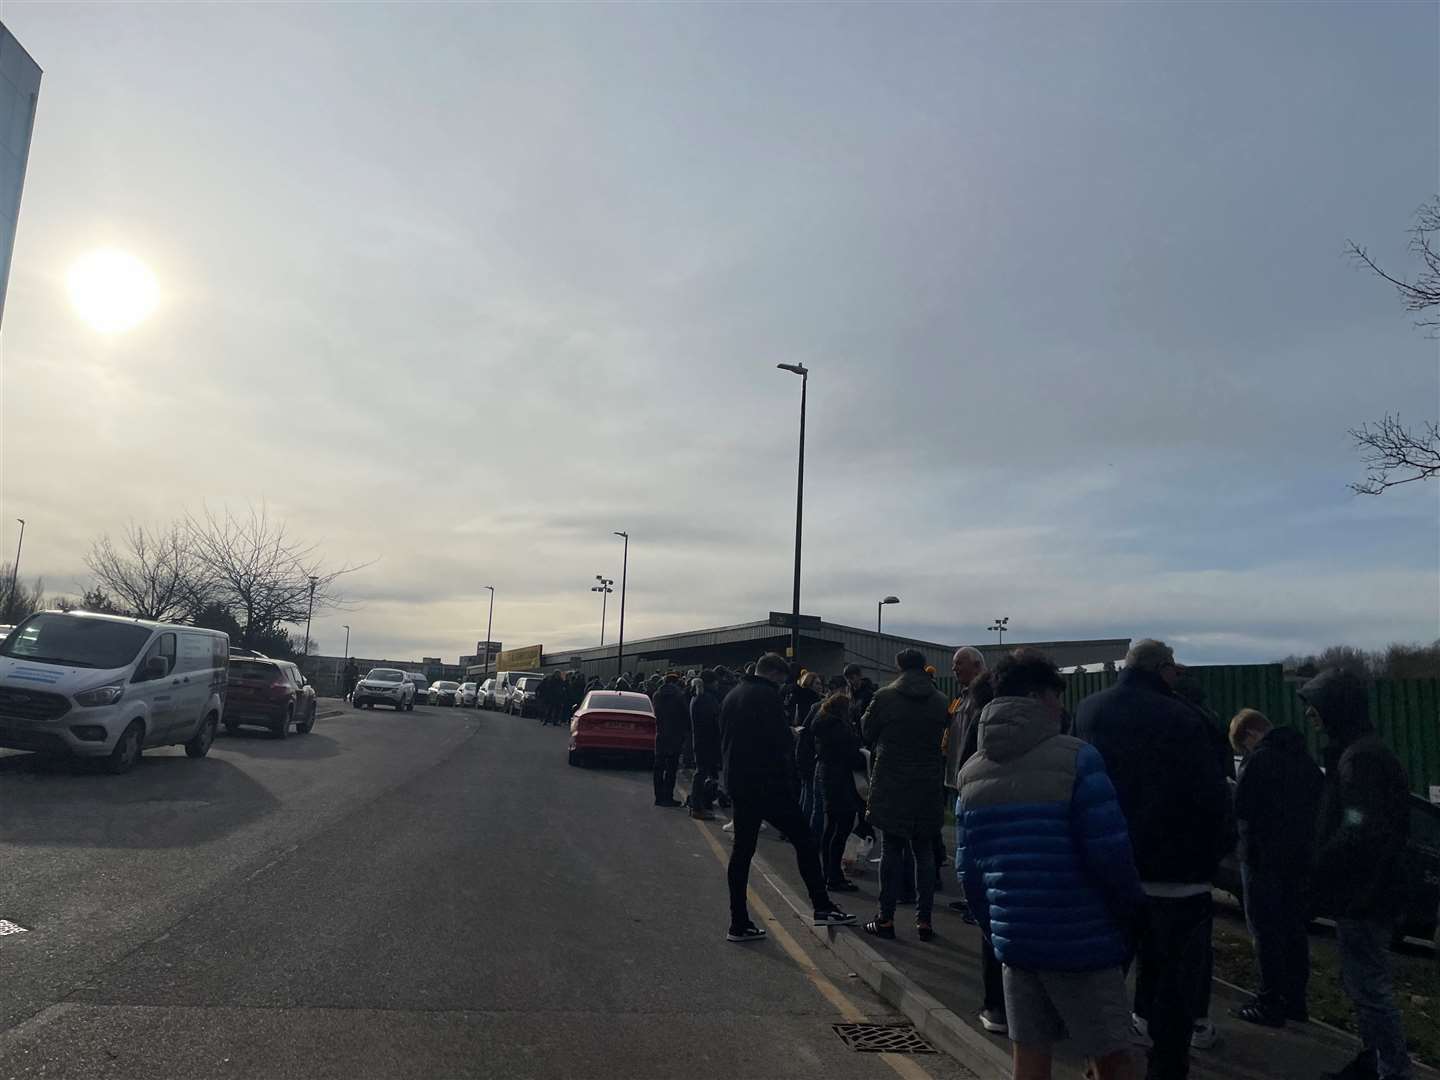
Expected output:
(748, 932)
(668, 803)
(832, 916)
(843, 885)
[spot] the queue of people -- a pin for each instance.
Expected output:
(1084, 845)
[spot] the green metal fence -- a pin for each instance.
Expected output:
(1406, 712)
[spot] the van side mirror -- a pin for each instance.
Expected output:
(156, 668)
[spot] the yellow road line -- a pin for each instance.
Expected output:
(905, 1067)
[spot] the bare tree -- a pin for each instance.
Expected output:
(19, 601)
(255, 570)
(154, 574)
(1394, 454)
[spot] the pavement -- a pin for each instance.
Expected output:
(427, 894)
(939, 983)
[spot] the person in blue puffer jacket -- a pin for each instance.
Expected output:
(1044, 853)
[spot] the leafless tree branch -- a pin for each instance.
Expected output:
(153, 574)
(1395, 455)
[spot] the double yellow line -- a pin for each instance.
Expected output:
(903, 1066)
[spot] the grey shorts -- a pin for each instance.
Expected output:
(1090, 1008)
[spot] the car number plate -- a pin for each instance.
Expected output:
(618, 725)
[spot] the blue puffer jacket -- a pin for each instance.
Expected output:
(1043, 849)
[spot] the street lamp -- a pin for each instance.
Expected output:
(347, 641)
(305, 648)
(604, 590)
(804, 373)
(880, 609)
(1000, 626)
(15, 570)
(624, 574)
(489, 625)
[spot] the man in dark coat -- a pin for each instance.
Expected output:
(705, 735)
(755, 746)
(352, 676)
(1277, 800)
(672, 721)
(906, 723)
(1167, 775)
(1360, 876)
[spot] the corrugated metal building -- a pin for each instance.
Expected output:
(824, 647)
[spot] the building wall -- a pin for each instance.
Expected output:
(19, 95)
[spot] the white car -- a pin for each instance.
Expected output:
(485, 694)
(384, 686)
(107, 687)
(465, 695)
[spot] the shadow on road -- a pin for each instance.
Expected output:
(259, 743)
(168, 800)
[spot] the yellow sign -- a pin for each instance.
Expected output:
(524, 659)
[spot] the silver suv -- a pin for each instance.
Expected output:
(384, 686)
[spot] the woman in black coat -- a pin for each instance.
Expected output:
(837, 756)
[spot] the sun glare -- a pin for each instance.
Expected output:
(112, 290)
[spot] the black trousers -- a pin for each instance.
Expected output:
(1175, 961)
(782, 811)
(841, 806)
(667, 763)
(994, 976)
(703, 785)
(1277, 907)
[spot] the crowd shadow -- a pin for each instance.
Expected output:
(168, 800)
(259, 743)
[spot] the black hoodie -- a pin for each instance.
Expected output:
(1365, 811)
(1277, 800)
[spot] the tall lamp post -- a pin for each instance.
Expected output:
(880, 609)
(305, 648)
(15, 570)
(804, 373)
(489, 625)
(347, 642)
(604, 590)
(1000, 626)
(624, 574)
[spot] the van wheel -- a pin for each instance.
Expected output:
(199, 745)
(127, 750)
(284, 728)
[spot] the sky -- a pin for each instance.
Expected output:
(459, 290)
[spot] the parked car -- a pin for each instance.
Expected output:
(465, 695)
(505, 685)
(1421, 916)
(384, 686)
(442, 692)
(107, 687)
(612, 721)
(270, 694)
(421, 682)
(525, 697)
(485, 694)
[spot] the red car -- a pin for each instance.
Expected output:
(612, 721)
(270, 694)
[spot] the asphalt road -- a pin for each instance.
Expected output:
(431, 894)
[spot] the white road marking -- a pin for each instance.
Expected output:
(8, 927)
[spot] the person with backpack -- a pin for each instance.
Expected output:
(1360, 873)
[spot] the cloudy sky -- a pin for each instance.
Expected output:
(458, 290)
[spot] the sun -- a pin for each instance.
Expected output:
(112, 290)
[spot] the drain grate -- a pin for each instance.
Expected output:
(883, 1039)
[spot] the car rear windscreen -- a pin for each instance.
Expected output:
(619, 703)
(249, 669)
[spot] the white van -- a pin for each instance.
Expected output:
(505, 686)
(106, 686)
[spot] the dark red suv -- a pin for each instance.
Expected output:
(270, 694)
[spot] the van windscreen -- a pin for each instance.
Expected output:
(73, 641)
